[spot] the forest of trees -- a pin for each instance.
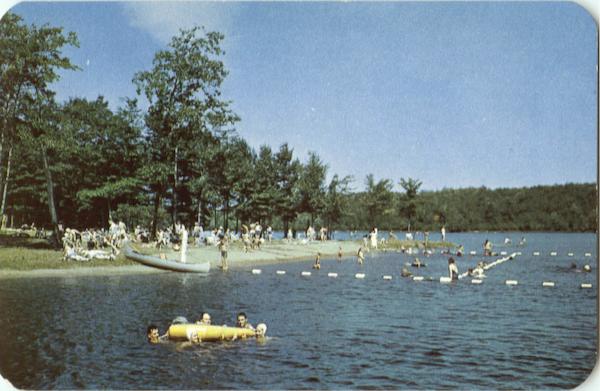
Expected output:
(179, 158)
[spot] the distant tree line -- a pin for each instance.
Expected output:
(177, 157)
(569, 207)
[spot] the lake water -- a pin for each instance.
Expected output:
(325, 333)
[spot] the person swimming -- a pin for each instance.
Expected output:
(587, 268)
(204, 319)
(405, 273)
(154, 337)
(417, 263)
(242, 321)
(317, 264)
(261, 330)
(452, 269)
(360, 255)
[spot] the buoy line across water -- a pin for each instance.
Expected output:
(443, 279)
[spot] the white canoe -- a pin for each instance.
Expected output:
(165, 264)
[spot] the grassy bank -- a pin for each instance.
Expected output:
(25, 253)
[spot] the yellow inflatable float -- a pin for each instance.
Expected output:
(187, 331)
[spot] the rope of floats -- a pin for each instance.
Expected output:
(444, 279)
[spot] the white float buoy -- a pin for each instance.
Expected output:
(445, 280)
(586, 285)
(476, 281)
(518, 253)
(570, 254)
(502, 252)
(359, 275)
(418, 278)
(547, 283)
(256, 271)
(588, 254)
(511, 282)
(306, 274)
(332, 274)
(387, 277)
(280, 272)
(472, 252)
(553, 253)
(536, 253)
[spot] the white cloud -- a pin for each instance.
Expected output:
(164, 19)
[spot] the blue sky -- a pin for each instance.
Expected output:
(454, 94)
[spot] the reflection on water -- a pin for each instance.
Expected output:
(89, 332)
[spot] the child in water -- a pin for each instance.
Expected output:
(360, 255)
(317, 264)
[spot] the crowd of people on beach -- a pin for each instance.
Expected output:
(106, 243)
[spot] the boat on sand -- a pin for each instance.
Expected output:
(165, 264)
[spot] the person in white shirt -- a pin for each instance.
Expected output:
(452, 269)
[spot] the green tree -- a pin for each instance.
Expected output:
(408, 203)
(108, 153)
(336, 201)
(183, 90)
(378, 200)
(30, 58)
(311, 187)
(287, 171)
(266, 194)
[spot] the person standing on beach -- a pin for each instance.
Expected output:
(340, 254)
(373, 238)
(443, 233)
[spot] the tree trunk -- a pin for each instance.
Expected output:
(5, 190)
(1, 158)
(200, 212)
(174, 206)
(157, 198)
(226, 216)
(51, 206)
(109, 212)
(286, 225)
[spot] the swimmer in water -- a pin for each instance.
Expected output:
(317, 264)
(452, 269)
(242, 321)
(261, 330)
(360, 255)
(154, 337)
(417, 263)
(405, 272)
(587, 268)
(204, 319)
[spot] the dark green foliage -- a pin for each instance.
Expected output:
(569, 207)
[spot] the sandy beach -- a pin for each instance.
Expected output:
(276, 252)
